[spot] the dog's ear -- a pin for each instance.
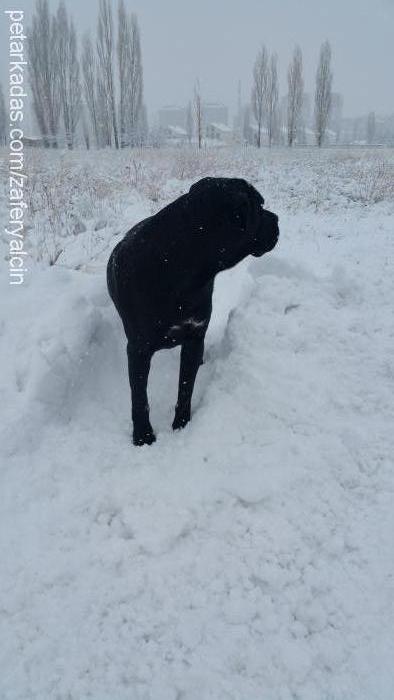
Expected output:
(201, 185)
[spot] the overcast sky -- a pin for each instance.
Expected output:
(217, 41)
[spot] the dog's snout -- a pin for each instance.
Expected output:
(273, 216)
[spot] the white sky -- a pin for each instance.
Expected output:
(217, 41)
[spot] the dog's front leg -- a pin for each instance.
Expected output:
(139, 364)
(191, 357)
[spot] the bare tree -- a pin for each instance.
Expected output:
(122, 50)
(323, 92)
(3, 119)
(130, 77)
(371, 127)
(89, 84)
(43, 48)
(272, 95)
(259, 90)
(104, 124)
(295, 94)
(189, 122)
(135, 79)
(105, 50)
(198, 114)
(85, 128)
(70, 87)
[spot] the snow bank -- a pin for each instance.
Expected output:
(248, 556)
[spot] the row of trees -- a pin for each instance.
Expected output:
(97, 89)
(103, 90)
(265, 94)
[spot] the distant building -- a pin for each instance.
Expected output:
(214, 112)
(215, 120)
(172, 115)
(219, 132)
(172, 122)
(354, 130)
(34, 142)
(174, 134)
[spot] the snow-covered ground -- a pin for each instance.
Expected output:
(250, 556)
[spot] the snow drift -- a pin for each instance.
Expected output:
(250, 555)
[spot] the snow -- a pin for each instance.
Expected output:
(251, 554)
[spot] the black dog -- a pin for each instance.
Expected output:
(161, 276)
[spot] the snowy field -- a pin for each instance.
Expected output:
(250, 556)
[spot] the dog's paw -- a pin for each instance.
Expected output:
(180, 420)
(143, 437)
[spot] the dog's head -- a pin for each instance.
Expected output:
(251, 229)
